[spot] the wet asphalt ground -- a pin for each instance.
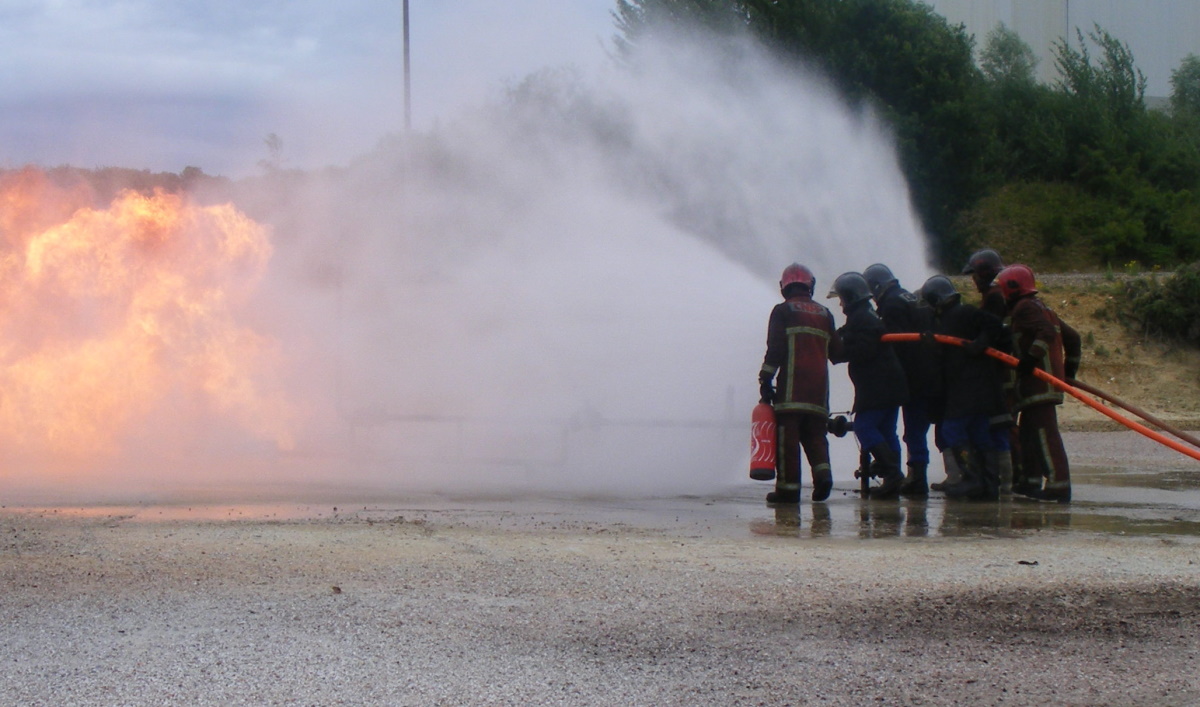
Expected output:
(671, 600)
(1123, 484)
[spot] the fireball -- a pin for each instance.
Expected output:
(113, 318)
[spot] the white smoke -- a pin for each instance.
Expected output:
(570, 291)
(567, 291)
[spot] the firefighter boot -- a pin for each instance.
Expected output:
(1030, 487)
(822, 483)
(989, 476)
(953, 473)
(916, 485)
(784, 496)
(1055, 495)
(971, 484)
(886, 466)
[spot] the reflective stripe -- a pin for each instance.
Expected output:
(1047, 459)
(769, 370)
(791, 364)
(793, 331)
(1003, 418)
(802, 407)
(1052, 397)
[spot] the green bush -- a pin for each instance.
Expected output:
(1170, 307)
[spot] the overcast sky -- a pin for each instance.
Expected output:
(164, 84)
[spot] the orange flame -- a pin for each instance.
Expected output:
(110, 318)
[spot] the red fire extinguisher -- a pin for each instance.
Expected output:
(762, 442)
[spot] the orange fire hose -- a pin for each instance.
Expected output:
(1065, 387)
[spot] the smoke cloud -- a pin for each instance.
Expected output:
(564, 292)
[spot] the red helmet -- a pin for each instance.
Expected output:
(1016, 281)
(797, 273)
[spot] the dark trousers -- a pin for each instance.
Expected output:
(796, 430)
(916, 430)
(1042, 451)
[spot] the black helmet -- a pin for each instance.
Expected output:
(987, 263)
(939, 292)
(879, 277)
(850, 288)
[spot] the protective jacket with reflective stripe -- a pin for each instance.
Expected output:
(1037, 331)
(800, 339)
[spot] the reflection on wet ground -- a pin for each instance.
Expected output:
(917, 518)
(1123, 484)
(1107, 502)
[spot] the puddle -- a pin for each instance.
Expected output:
(1160, 498)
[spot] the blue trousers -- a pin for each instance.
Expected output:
(874, 426)
(972, 430)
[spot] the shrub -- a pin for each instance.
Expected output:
(1167, 308)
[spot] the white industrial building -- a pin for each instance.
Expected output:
(1160, 33)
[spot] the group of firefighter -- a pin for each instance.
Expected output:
(995, 427)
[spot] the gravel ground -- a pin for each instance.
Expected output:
(462, 607)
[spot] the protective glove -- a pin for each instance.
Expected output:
(1026, 365)
(1071, 369)
(766, 392)
(975, 348)
(927, 338)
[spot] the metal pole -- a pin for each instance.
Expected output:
(407, 76)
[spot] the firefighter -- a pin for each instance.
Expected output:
(800, 341)
(1040, 340)
(973, 391)
(983, 266)
(903, 312)
(880, 387)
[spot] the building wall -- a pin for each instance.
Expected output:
(1160, 33)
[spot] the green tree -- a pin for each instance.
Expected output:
(1115, 85)
(1006, 58)
(1023, 140)
(1185, 87)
